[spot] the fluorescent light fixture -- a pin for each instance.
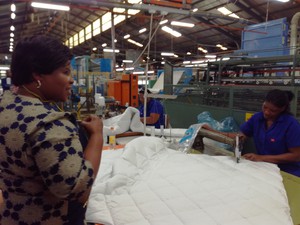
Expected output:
(167, 54)
(127, 61)
(11, 35)
(119, 69)
(182, 24)
(50, 6)
(176, 56)
(13, 7)
(11, 40)
(12, 16)
(163, 22)
(138, 72)
(142, 30)
(135, 42)
(127, 36)
(12, 28)
(199, 61)
(4, 68)
(186, 62)
(129, 68)
(171, 31)
(283, 0)
(210, 56)
(219, 45)
(195, 10)
(224, 48)
(111, 50)
(162, 63)
(188, 53)
(94, 49)
(203, 65)
(104, 45)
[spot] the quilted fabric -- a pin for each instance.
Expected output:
(152, 185)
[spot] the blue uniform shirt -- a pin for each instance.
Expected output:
(153, 106)
(283, 134)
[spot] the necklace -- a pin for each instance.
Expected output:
(39, 97)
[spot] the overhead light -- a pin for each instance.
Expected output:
(167, 54)
(186, 62)
(12, 35)
(182, 24)
(127, 61)
(12, 16)
(127, 36)
(50, 6)
(135, 42)
(119, 69)
(210, 56)
(4, 68)
(111, 50)
(94, 49)
(104, 45)
(224, 48)
(142, 30)
(138, 72)
(163, 22)
(13, 7)
(12, 28)
(129, 68)
(195, 10)
(283, 0)
(171, 31)
(219, 45)
(188, 53)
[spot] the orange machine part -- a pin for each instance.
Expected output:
(114, 89)
(130, 90)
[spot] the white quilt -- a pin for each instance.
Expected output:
(152, 185)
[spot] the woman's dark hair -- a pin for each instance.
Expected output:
(280, 99)
(37, 54)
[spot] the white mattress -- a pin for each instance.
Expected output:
(148, 184)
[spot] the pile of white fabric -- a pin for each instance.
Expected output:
(150, 184)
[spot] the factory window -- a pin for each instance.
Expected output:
(81, 36)
(119, 19)
(71, 42)
(67, 42)
(106, 21)
(96, 27)
(75, 40)
(88, 32)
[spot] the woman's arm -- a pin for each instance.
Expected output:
(292, 156)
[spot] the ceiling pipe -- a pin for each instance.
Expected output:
(294, 29)
(162, 10)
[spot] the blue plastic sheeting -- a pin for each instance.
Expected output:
(266, 39)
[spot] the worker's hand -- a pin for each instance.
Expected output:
(93, 125)
(253, 157)
(207, 127)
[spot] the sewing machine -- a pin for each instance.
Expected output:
(211, 149)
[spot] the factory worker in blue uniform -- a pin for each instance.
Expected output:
(155, 110)
(275, 131)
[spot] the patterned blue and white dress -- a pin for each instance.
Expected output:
(41, 162)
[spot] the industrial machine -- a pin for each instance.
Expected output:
(125, 91)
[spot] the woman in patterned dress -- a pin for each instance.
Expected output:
(45, 169)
